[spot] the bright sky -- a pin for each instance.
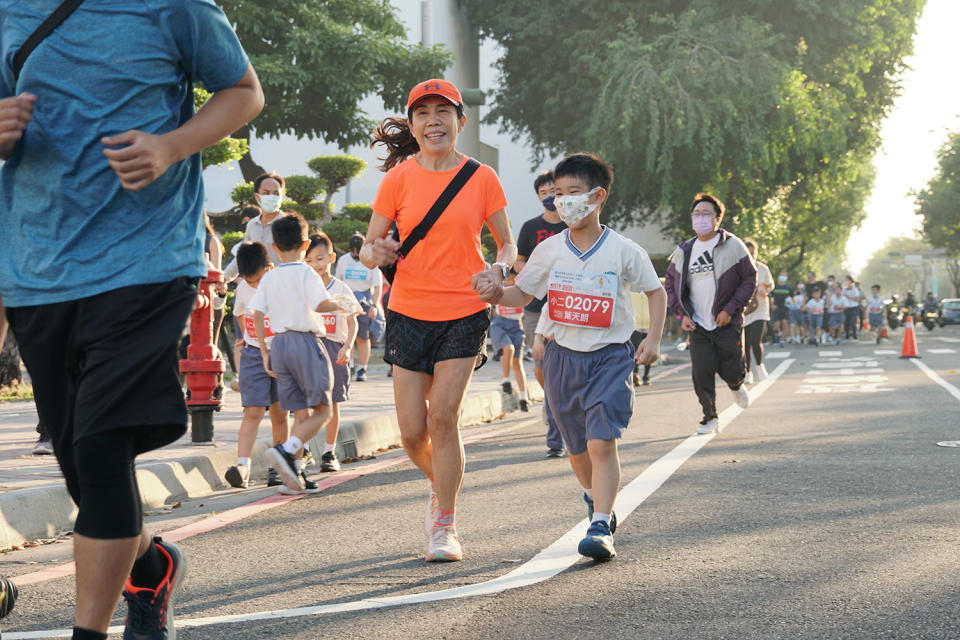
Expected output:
(915, 128)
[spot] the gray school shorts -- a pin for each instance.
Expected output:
(504, 331)
(304, 374)
(530, 319)
(591, 393)
(257, 387)
(341, 372)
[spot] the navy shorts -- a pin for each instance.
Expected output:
(530, 320)
(779, 314)
(341, 372)
(591, 393)
(504, 331)
(816, 320)
(304, 374)
(418, 345)
(836, 320)
(257, 387)
(796, 316)
(875, 319)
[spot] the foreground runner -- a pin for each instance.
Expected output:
(103, 180)
(436, 324)
(587, 274)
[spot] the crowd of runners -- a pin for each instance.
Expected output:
(97, 304)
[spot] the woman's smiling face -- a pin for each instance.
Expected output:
(434, 124)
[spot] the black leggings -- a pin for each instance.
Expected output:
(102, 481)
(753, 340)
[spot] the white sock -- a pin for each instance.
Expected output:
(292, 445)
(243, 462)
(327, 447)
(597, 517)
(506, 381)
(298, 465)
(589, 493)
(523, 395)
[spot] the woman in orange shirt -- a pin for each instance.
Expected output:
(436, 322)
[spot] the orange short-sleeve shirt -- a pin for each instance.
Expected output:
(433, 281)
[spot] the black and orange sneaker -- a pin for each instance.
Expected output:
(8, 596)
(150, 611)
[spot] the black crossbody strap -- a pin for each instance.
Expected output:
(451, 191)
(52, 22)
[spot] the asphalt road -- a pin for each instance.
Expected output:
(826, 510)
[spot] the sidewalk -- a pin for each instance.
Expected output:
(34, 502)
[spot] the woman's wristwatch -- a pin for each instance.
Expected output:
(504, 269)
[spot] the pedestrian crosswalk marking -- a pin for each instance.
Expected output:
(777, 355)
(830, 354)
(941, 350)
(861, 374)
(884, 352)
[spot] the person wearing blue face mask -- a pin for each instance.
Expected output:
(533, 232)
(268, 189)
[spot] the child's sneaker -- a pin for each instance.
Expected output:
(761, 372)
(444, 545)
(613, 514)
(307, 459)
(524, 406)
(238, 476)
(741, 397)
(598, 543)
(285, 466)
(150, 611)
(309, 486)
(329, 462)
(748, 378)
(8, 596)
(273, 478)
(361, 374)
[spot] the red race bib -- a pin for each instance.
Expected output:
(330, 323)
(581, 299)
(252, 330)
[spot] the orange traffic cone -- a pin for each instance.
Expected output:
(866, 324)
(909, 340)
(884, 332)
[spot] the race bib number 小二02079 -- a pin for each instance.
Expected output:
(581, 299)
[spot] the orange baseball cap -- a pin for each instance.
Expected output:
(434, 87)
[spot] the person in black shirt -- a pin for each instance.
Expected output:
(533, 232)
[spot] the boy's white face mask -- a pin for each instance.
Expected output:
(573, 209)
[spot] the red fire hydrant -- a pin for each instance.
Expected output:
(203, 371)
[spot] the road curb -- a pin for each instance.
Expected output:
(44, 512)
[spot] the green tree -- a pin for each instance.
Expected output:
(357, 211)
(939, 207)
(339, 231)
(773, 105)
(334, 172)
(317, 61)
(891, 272)
(305, 190)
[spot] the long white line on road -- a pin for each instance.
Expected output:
(941, 351)
(556, 558)
(952, 390)
(777, 355)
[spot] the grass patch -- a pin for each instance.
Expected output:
(16, 391)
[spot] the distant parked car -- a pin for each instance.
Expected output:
(949, 311)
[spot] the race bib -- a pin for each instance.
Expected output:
(581, 299)
(330, 323)
(252, 330)
(355, 273)
(509, 312)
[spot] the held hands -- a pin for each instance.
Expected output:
(687, 324)
(723, 319)
(15, 113)
(372, 313)
(648, 352)
(384, 250)
(144, 158)
(489, 285)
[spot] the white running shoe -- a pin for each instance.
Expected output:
(432, 506)
(682, 346)
(761, 372)
(709, 427)
(741, 396)
(748, 379)
(444, 545)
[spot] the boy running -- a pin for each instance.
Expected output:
(291, 295)
(587, 274)
(341, 332)
(875, 310)
(814, 309)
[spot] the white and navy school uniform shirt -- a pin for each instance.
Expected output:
(288, 294)
(334, 323)
(360, 278)
(588, 292)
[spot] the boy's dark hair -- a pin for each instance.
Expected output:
(589, 167)
(355, 241)
(289, 232)
(817, 290)
(706, 197)
(264, 176)
(831, 276)
(250, 212)
(317, 238)
(875, 286)
(251, 258)
(544, 178)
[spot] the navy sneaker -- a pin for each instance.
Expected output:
(273, 478)
(361, 374)
(554, 453)
(329, 462)
(286, 467)
(613, 516)
(150, 611)
(8, 596)
(598, 543)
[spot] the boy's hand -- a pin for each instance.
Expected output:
(266, 363)
(648, 353)
(145, 158)
(344, 355)
(488, 286)
(372, 313)
(687, 324)
(15, 113)
(539, 347)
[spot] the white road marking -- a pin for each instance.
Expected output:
(941, 350)
(860, 374)
(777, 355)
(952, 390)
(553, 560)
(945, 339)
(830, 354)
(885, 352)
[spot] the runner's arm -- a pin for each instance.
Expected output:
(499, 226)
(378, 250)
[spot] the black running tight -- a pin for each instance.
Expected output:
(753, 340)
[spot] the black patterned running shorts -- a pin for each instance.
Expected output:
(418, 345)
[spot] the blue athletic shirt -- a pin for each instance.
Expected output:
(70, 230)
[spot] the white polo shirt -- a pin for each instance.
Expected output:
(588, 292)
(289, 295)
(357, 275)
(241, 300)
(334, 323)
